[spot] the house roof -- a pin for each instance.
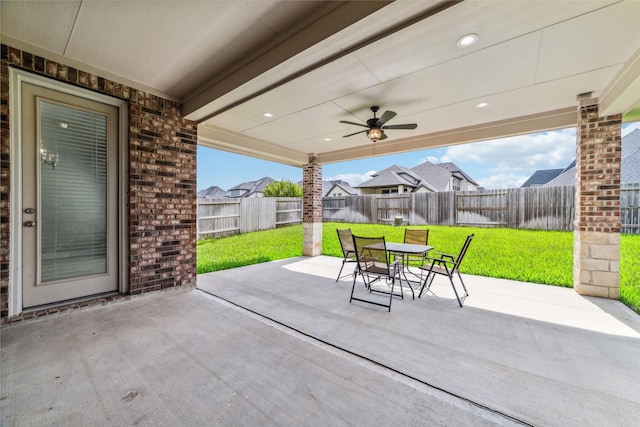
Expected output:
(392, 176)
(453, 168)
(252, 187)
(345, 186)
(428, 175)
(314, 63)
(212, 192)
(631, 143)
(631, 167)
(435, 178)
(630, 164)
(541, 177)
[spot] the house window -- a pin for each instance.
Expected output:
(456, 184)
(234, 193)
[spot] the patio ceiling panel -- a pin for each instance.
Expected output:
(314, 89)
(30, 22)
(431, 42)
(314, 63)
(609, 32)
(530, 99)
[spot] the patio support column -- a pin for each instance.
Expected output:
(596, 249)
(312, 207)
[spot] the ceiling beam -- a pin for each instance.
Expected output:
(223, 139)
(623, 93)
(327, 20)
(557, 119)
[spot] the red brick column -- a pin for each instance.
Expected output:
(596, 254)
(312, 208)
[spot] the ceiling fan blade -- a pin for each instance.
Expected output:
(353, 123)
(405, 126)
(355, 133)
(388, 115)
(384, 136)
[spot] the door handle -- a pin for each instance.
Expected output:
(30, 224)
(30, 211)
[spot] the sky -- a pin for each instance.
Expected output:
(493, 164)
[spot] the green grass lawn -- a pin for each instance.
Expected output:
(525, 255)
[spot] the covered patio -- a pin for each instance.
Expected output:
(279, 344)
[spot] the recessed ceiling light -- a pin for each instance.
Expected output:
(327, 139)
(267, 115)
(482, 104)
(467, 40)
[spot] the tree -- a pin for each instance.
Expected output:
(282, 188)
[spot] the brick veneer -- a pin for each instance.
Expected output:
(312, 208)
(162, 182)
(597, 224)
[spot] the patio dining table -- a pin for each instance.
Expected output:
(404, 250)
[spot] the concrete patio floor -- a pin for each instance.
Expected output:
(279, 344)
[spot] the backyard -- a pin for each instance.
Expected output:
(523, 255)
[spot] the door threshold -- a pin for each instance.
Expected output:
(69, 302)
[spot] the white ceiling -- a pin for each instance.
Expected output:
(312, 64)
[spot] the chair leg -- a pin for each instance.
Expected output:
(458, 297)
(427, 284)
(353, 287)
(393, 281)
(340, 272)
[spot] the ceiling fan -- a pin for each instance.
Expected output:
(376, 125)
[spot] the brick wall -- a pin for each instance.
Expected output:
(598, 160)
(162, 180)
(312, 208)
(312, 191)
(596, 269)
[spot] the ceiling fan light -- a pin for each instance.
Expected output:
(374, 134)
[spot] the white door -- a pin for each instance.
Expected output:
(69, 196)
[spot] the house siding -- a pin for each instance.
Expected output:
(162, 182)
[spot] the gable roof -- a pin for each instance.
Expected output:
(631, 167)
(453, 168)
(252, 187)
(212, 192)
(392, 176)
(567, 177)
(345, 186)
(630, 143)
(630, 164)
(541, 177)
(436, 178)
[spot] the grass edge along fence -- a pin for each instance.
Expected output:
(526, 255)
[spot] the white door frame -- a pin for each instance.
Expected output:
(16, 78)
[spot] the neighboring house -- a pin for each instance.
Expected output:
(460, 181)
(338, 188)
(212, 192)
(250, 188)
(426, 177)
(630, 164)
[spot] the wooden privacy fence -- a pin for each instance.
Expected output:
(544, 208)
(539, 208)
(630, 208)
(223, 217)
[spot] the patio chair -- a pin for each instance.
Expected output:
(348, 252)
(373, 265)
(416, 237)
(446, 265)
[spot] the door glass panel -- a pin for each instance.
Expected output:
(73, 192)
